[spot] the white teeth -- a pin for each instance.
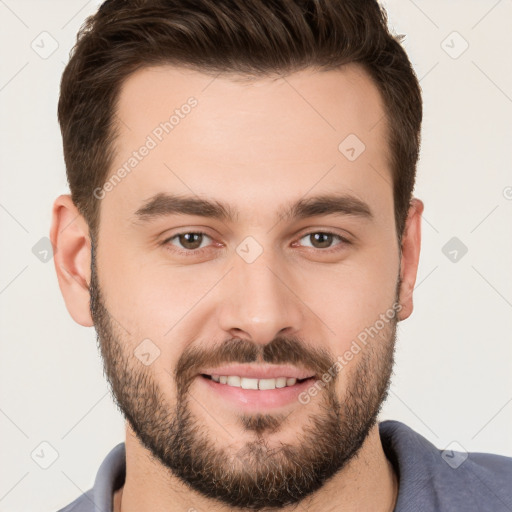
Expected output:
(249, 383)
(234, 381)
(281, 382)
(267, 384)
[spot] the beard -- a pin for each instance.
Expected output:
(255, 476)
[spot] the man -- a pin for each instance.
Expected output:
(241, 232)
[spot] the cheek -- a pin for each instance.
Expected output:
(154, 300)
(350, 297)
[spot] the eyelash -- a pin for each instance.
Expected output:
(194, 252)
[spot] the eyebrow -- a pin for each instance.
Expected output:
(162, 205)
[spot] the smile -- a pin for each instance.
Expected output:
(251, 383)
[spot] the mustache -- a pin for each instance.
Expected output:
(281, 350)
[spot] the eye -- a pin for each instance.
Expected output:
(190, 243)
(323, 240)
(187, 242)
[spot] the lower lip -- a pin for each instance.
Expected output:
(253, 399)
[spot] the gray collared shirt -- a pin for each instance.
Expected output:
(430, 479)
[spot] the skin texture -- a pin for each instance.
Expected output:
(257, 146)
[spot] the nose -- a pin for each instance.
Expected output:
(258, 301)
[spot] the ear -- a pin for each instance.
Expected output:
(71, 242)
(410, 255)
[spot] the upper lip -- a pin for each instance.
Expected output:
(260, 371)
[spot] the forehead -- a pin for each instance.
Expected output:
(249, 142)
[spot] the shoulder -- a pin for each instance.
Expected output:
(489, 466)
(110, 476)
(433, 478)
(84, 503)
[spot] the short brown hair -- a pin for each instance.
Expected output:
(244, 37)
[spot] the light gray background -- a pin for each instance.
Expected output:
(453, 378)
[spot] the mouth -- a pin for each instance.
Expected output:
(255, 383)
(250, 394)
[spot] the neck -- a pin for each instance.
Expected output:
(367, 482)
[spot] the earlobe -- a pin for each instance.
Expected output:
(410, 254)
(70, 238)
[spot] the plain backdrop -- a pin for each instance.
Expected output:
(453, 378)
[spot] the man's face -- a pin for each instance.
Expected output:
(258, 289)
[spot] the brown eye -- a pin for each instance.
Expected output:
(188, 241)
(323, 240)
